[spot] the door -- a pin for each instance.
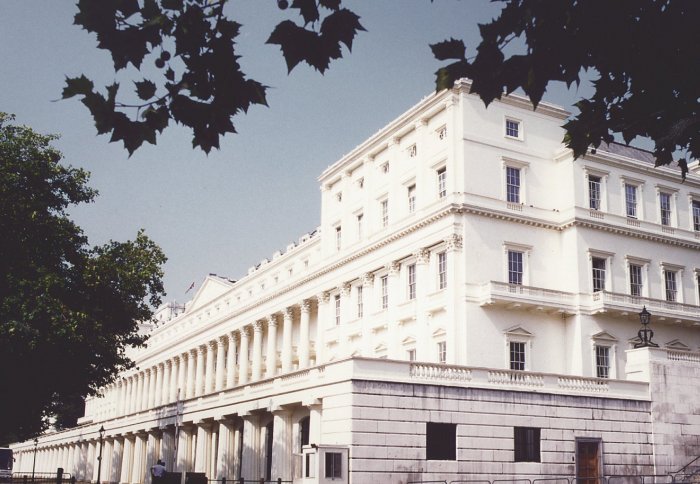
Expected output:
(588, 461)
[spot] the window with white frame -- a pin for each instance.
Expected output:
(512, 184)
(411, 192)
(518, 345)
(517, 355)
(411, 354)
(360, 302)
(515, 267)
(636, 279)
(337, 309)
(338, 237)
(442, 352)
(602, 361)
(665, 208)
(442, 269)
(604, 354)
(334, 465)
(671, 285)
(384, 284)
(360, 225)
(384, 211)
(631, 200)
(599, 270)
(695, 209)
(594, 192)
(442, 182)
(513, 128)
(411, 279)
(697, 285)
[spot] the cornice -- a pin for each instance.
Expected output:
(641, 167)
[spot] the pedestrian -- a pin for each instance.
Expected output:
(157, 472)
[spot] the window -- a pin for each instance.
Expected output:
(384, 204)
(303, 433)
(360, 304)
(517, 355)
(594, 184)
(334, 463)
(512, 184)
(695, 208)
(598, 266)
(512, 128)
(337, 309)
(440, 441)
(442, 270)
(670, 285)
(527, 444)
(338, 237)
(442, 352)
(411, 199)
(411, 354)
(636, 283)
(665, 208)
(442, 182)
(515, 267)
(411, 281)
(631, 200)
(385, 291)
(602, 361)
(360, 219)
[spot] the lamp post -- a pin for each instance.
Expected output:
(99, 458)
(645, 334)
(36, 443)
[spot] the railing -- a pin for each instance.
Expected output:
(440, 372)
(692, 357)
(619, 479)
(530, 291)
(627, 300)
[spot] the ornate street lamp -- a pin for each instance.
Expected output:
(645, 334)
(36, 443)
(99, 458)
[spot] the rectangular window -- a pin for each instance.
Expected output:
(360, 219)
(337, 309)
(665, 207)
(602, 361)
(411, 281)
(338, 237)
(517, 355)
(598, 266)
(512, 128)
(527, 444)
(442, 352)
(360, 303)
(512, 184)
(385, 291)
(636, 283)
(411, 199)
(411, 354)
(670, 284)
(385, 212)
(515, 267)
(442, 270)
(442, 182)
(696, 215)
(334, 463)
(594, 183)
(440, 441)
(631, 200)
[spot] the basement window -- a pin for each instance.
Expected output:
(440, 441)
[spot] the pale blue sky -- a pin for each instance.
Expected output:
(225, 212)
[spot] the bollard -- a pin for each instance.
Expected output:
(223, 480)
(279, 480)
(241, 480)
(72, 479)
(59, 475)
(262, 480)
(24, 480)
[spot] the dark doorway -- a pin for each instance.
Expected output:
(588, 461)
(303, 433)
(268, 446)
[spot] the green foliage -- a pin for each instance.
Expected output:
(192, 42)
(67, 310)
(645, 53)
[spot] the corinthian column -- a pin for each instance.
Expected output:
(220, 360)
(304, 334)
(190, 373)
(158, 391)
(209, 369)
(231, 360)
(243, 357)
(287, 340)
(199, 379)
(257, 350)
(271, 362)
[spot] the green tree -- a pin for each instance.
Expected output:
(68, 311)
(643, 54)
(200, 84)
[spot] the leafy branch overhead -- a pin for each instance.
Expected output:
(199, 82)
(645, 53)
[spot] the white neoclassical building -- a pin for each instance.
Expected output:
(467, 308)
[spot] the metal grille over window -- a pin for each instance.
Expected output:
(527, 444)
(440, 441)
(602, 361)
(517, 355)
(512, 184)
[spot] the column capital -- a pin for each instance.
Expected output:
(257, 327)
(212, 344)
(305, 306)
(393, 267)
(193, 352)
(147, 371)
(422, 256)
(244, 332)
(233, 337)
(345, 289)
(175, 359)
(272, 321)
(287, 313)
(454, 242)
(201, 349)
(367, 279)
(323, 297)
(221, 341)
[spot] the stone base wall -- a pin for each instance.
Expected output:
(388, 432)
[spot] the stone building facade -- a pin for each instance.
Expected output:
(467, 308)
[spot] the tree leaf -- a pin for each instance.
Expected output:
(449, 49)
(145, 89)
(77, 85)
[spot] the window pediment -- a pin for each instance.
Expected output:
(517, 332)
(604, 337)
(677, 345)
